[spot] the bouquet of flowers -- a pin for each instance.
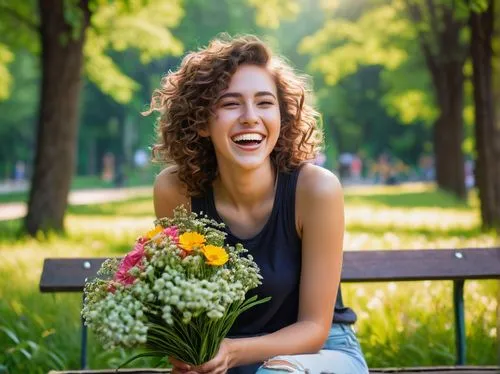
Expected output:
(177, 293)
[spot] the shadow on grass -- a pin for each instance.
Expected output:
(11, 230)
(14, 197)
(426, 199)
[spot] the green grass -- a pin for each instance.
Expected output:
(13, 197)
(399, 324)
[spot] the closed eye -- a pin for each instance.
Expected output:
(266, 103)
(230, 104)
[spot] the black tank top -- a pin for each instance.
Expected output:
(277, 251)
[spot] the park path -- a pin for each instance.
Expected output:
(80, 197)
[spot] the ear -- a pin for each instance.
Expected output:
(203, 132)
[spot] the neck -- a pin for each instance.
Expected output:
(245, 188)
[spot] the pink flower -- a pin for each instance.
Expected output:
(132, 259)
(173, 233)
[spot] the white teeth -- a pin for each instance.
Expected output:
(248, 137)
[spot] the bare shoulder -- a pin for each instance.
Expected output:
(169, 192)
(316, 182)
(319, 193)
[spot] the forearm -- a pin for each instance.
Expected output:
(299, 338)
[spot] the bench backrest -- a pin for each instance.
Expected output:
(69, 274)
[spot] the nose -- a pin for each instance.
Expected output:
(249, 116)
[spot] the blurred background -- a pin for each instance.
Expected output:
(408, 92)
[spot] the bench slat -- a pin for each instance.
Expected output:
(413, 265)
(69, 274)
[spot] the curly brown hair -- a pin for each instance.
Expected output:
(187, 97)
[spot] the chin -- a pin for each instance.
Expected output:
(250, 164)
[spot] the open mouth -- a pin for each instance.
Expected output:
(250, 139)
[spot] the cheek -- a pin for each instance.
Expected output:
(274, 120)
(224, 120)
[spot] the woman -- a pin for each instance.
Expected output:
(235, 124)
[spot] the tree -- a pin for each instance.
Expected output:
(108, 126)
(66, 33)
(70, 32)
(383, 34)
(56, 132)
(487, 131)
(440, 28)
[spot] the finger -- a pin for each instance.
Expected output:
(198, 371)
(205, 368)
(178, 371)
(219, 370)
(178, 364)
(208, 367)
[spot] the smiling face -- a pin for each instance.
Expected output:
(246, 122)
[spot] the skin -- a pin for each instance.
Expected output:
(244, 194)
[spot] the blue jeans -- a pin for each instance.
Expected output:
(341, 354)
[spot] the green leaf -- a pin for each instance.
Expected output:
(11, 334)
(6, 57)
(141, 355)
(271, 12)
(144, 27)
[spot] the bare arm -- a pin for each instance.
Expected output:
(320, 214)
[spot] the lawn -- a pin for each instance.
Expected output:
(399, 324)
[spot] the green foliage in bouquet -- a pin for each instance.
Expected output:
(177, 293)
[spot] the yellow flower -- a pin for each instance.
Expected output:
(215, 255)
(190, 240)
(152, 233)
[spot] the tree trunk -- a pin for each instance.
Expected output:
(486, 132)
(61, 60)
(444, 53)
(448, 129)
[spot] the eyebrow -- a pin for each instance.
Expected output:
(238, 95)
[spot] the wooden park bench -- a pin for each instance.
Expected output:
(457, 265)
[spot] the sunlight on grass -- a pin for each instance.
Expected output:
(436, 219)
(109, 226)
(399, 324)
(415, 319)
(392, 190)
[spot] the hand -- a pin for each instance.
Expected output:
(179, 367)
(219, 364)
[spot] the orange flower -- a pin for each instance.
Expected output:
(152, 233)
(191, 240)
(215, 255)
